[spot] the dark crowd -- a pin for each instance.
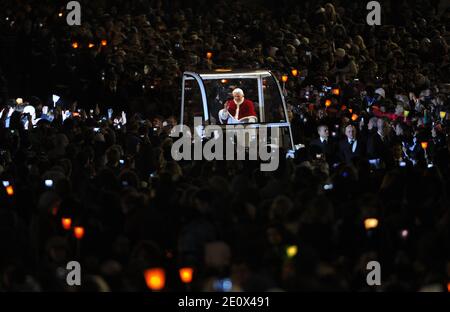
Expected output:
(85, 152)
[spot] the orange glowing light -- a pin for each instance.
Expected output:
(75, 45)
(336, 91)
(354, 117)
(78, 231)
(91, 45)
(10, 190)
(424, 145)
(224, 81)
(350, 110)
(155, 278)
(223, 70)
(66, 223)
(294, 72)
(186, 274)
(370, 223)
(284, 78)
(209, 55)
(104, 43)
(328, 103)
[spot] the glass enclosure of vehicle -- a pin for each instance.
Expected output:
(204, 94)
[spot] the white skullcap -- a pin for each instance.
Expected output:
(381, 92)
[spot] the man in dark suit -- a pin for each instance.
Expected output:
(379, 143)
(351, 147)
(322, 145)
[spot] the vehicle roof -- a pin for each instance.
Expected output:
(222, 73)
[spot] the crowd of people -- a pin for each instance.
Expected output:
(368, 104)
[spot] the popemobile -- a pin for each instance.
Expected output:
(225, 97)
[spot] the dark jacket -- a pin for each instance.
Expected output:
(378, 148)
(346, 153)
(328, 149)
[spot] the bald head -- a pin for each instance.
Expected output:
(322, 130)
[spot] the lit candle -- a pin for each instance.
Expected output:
(370, 223)
(66, 223)
(186, 274)
(78, 231)
(155, 278)
(10, 190)
(291, 251)
(424, 145)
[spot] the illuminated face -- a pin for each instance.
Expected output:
(323, 132)
(157, 123)
(238, 98)
(350, 132)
